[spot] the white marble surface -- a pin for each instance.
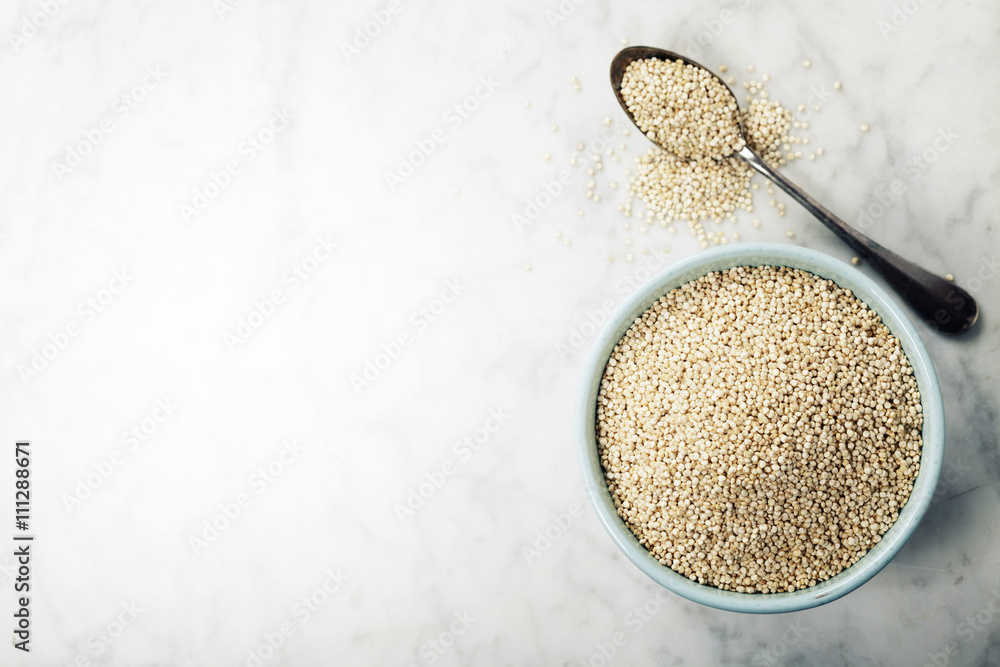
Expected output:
(320, 550)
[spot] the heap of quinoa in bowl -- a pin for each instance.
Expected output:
(762, 420)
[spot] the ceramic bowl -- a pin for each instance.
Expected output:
(894, 317)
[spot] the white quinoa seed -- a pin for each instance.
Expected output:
(759, 429)
(669, 99)
(693, 189)
(683, 108)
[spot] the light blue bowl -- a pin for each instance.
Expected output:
(758, 254)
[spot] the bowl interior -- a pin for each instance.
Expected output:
(759, 254)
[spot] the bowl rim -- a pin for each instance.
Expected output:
(899, 324)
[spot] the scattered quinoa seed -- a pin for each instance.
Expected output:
(949, 277)
(807, 63)
(864, 127)
(698, 178)
(855, 260)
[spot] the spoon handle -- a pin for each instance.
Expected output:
(940, 303)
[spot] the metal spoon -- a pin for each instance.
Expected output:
(940, 303)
